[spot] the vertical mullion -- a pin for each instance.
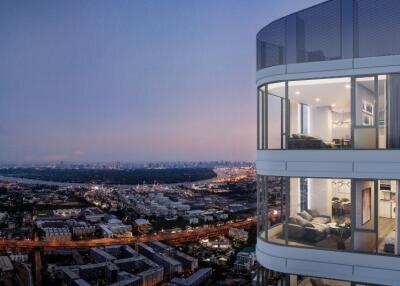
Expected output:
(376, 216)
(376, 107)
(286, 185)
(265, 204)
(265, 120)
(353, 110)
(387, 111)
(353, 211)
(287, 115)
(259, 209)
(258, 119)
(301, 118)
(261, 119)
(282, 121)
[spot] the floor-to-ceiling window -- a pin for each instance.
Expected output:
(326, 221)
(330, 213)
(320, 114)
(273, 278)
(361, 112)
(387, 240)
(276, 208)
(276, 114)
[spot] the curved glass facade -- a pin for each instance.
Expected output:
(360, 112)
(336, 29)
(357, 215)
(269, 277)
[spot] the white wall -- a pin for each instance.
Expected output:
(294, 118)
(320, 192)
(321, 123)
(294, 196)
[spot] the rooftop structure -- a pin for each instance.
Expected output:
(115, 270)
(196, 279)
(6, 264)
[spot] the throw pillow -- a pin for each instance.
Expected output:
(314, 213)
(301, 221)
(305, 215)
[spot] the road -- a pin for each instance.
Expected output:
(178, 237)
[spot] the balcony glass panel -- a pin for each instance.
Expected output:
(318, 33)
(376, 28)
(271, 49)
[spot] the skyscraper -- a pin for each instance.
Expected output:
(328, 159)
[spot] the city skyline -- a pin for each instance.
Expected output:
(130, 81)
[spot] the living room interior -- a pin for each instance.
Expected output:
(320, 114)
(320, 215)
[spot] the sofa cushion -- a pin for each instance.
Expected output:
(320, 227)
(305, 215)
(303, 222)
(321, 220)
(313, 212)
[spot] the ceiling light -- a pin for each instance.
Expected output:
(297, 92)
(347, 86)
(333, 105)
(317, 99)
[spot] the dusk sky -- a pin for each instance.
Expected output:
(131, 80)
